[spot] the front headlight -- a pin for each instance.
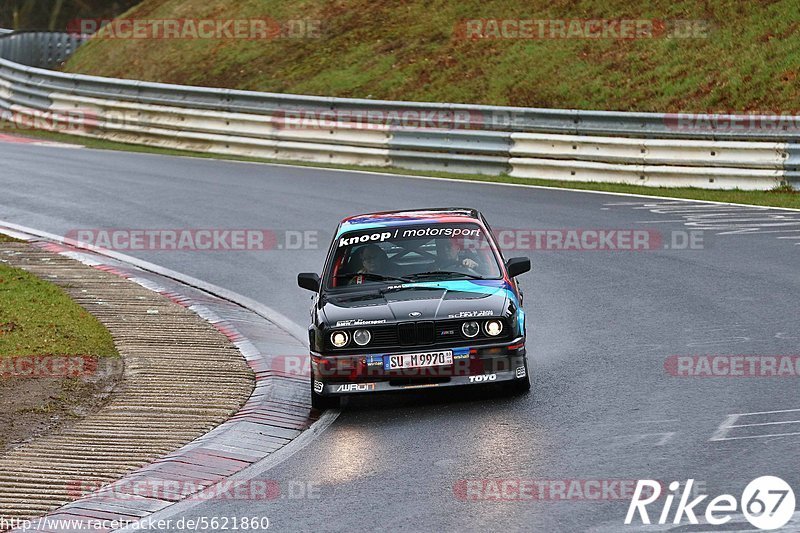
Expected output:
(362, 337)
(470, 329)
(493, 328)
(339, 339)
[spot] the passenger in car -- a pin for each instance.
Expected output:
(373, 260)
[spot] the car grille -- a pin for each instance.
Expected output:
(416, 333)
(407, 333)
(426, 332)
(423, 334)
(384, 336)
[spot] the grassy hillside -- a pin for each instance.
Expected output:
(748, 60)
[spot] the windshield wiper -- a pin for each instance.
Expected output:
(370, 275)
(434, 273)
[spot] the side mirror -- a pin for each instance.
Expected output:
(308, 280)
(517, 265)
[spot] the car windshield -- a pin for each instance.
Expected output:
(412, 253)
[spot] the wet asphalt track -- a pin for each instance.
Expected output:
(600, 324)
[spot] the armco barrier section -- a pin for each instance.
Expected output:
(637, 148)
(38, 49)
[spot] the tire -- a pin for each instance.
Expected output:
(320, 402)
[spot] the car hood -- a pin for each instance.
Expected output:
(417, 301)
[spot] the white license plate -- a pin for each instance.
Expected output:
(418, 360)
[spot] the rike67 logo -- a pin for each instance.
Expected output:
(767, 502)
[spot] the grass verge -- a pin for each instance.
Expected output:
(38, 318)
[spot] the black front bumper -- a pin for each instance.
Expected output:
(472, 365)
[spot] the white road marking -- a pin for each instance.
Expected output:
(660, 438)
(780, 231)
(769, 436)
(728, 340)
(659, 221)
(730, 219)
(769, 412)
(724, 429)
(765, 424)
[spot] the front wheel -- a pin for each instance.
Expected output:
(320, 402)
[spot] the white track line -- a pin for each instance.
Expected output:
(765, 424)
(768, 412)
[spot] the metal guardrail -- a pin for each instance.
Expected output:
(38, 49)
(640, 148)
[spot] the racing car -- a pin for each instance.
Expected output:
(415, 299)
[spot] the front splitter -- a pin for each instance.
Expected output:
(335, 389)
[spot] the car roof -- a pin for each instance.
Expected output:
(389, 218)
